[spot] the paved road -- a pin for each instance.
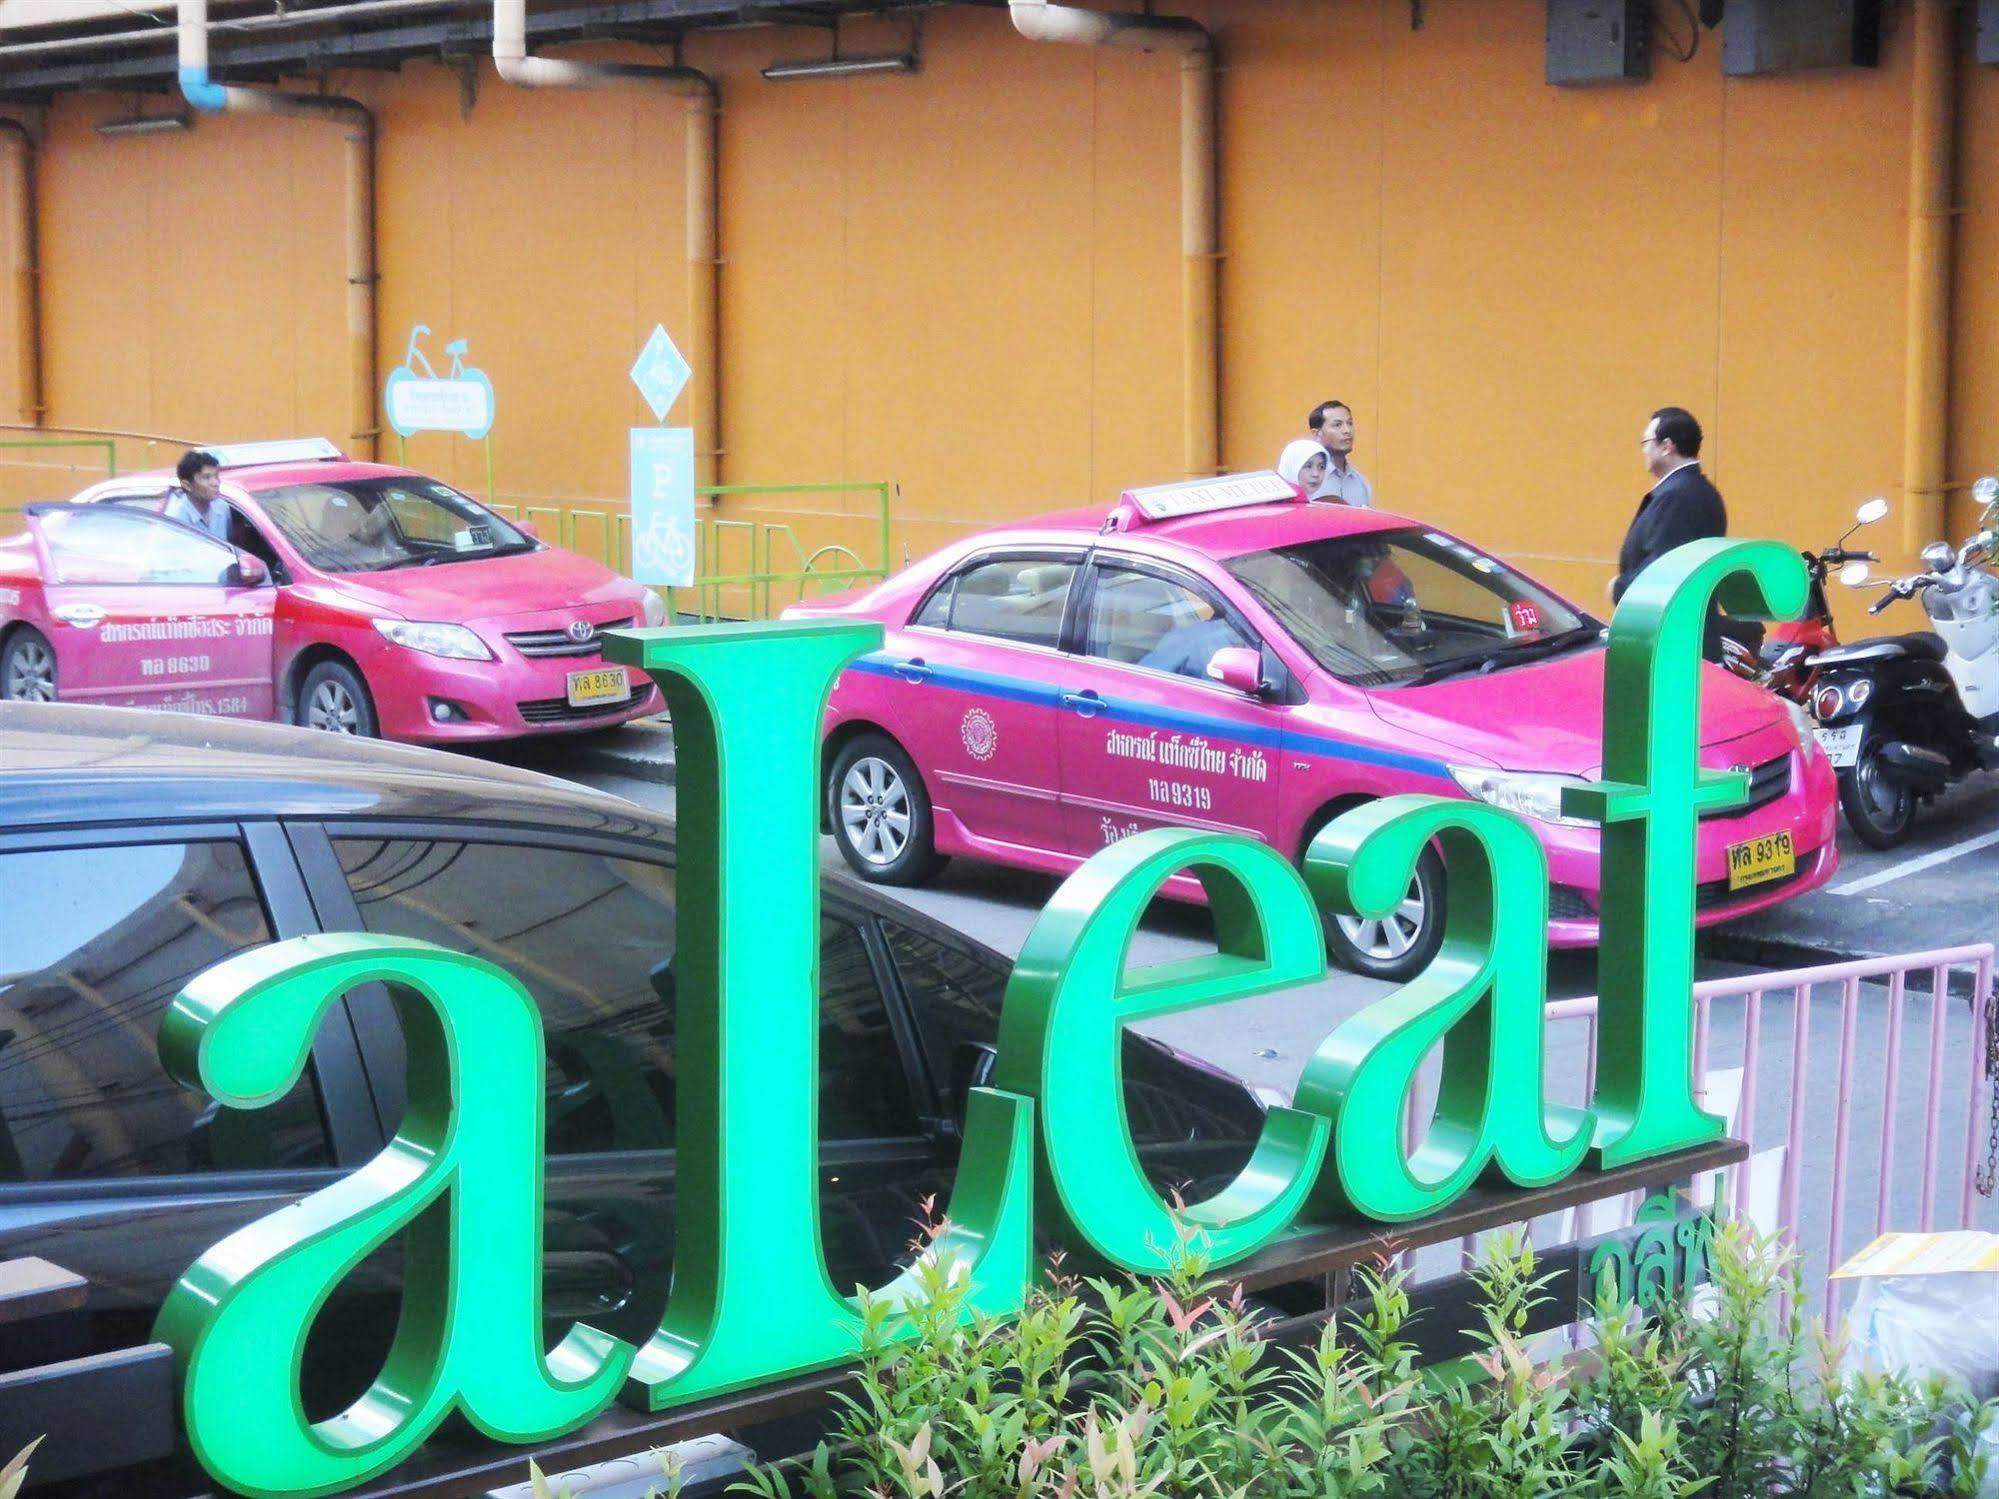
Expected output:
(1877, 904)
(1939, 889)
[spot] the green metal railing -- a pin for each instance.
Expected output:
(104, 445)
(746, 568)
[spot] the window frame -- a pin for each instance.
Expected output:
(51, 576)
(352, 1131)
(1103, 560)
(380, 1037)
(1077, 557)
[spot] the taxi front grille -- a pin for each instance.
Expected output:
(1767, 782)
(560, 710)
(558, 643)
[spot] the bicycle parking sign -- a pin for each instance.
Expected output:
(416, 398)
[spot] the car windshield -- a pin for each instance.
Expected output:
(1399, 608)
(371, 525)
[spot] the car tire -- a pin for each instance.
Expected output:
(880, 813)
(1401, 945)
(334, 698)
(28, 667)
(1880, 813)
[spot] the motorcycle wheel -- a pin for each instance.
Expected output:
(1880, 812)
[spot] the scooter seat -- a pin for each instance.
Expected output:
(1917, 643)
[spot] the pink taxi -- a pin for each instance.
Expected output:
(356, 597)
(1219, 654)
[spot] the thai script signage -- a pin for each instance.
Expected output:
(751, 1299)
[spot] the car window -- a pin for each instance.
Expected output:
(591, 936)
(115, 544)
(94, 945)
(1194, 1124)
(1390, 608)
(1143, 619)
(372, 525)
(1013, 598)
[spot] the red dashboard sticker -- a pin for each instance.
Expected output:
(1525, 616)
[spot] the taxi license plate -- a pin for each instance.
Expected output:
(605, 684)
(1757, 860)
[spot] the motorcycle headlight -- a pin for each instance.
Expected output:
(655, 610)
(1531, 793)
(435, 639)
(1801, 721)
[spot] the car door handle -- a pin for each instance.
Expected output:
(913, 670)
(1086, 703)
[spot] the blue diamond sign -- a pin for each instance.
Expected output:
(660, 373)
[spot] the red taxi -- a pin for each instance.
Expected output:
(356, 597)
(1220, 654)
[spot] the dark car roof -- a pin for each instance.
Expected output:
(64, 766)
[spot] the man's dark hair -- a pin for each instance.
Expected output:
(1677, 425)
(193, 461)
(1320, 412)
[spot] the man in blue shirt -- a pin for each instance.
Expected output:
(196, 500)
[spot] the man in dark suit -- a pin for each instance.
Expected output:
(1681, 507)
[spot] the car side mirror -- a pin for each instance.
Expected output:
(249, 571)
(527, 528)
(1239, 667)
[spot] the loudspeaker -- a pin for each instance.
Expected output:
(1789, 36)
(1599, 41)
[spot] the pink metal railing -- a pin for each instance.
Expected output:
(1807, 1111)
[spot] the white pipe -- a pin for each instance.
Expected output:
(515, 65)
(1040, 21)
(214, 98)
(1200, 235)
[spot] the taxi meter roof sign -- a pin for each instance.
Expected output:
(1199, 496)
(284, 450)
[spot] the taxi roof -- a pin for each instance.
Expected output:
(1220, 533)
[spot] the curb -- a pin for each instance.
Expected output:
(642, 750)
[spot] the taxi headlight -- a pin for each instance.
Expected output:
(1531, 793)
(435, 639)
(655, 609)
(1808, 739)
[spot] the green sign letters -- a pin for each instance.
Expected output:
(751, 1300)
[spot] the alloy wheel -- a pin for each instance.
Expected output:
(874, 811)
(1392, 935)
(31, 673)
(333, 708)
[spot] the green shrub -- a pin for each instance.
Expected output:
(1111, 1388)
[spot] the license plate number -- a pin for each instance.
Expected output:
(605, 684)
(1757, 860)
(1841, 746)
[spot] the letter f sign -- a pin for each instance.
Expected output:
(1649, 801)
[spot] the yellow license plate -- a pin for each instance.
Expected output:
(1757, 860)
(607, 684)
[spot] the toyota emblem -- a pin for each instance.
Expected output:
(581, 630)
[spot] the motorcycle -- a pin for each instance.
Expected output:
(1780, 660)
(1902, 717)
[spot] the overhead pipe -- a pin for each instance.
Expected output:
(1926, 394)
(704, 264)
(210, 97)
(1200, 233)
(27, 265)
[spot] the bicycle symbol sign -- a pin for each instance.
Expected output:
(416, 398)
(663, 506)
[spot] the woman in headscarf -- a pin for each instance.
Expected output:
(1303, 462)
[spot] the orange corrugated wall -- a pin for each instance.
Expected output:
(967, 280)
